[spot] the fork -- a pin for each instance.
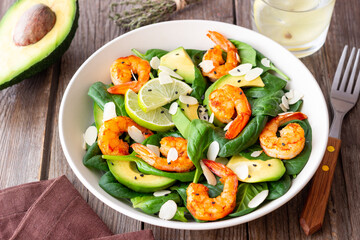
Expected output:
(343, 96)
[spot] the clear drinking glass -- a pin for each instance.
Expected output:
(300, 26)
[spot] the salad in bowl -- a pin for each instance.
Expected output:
(197, 134)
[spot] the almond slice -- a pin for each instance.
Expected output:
(155, 62)
(172, 155)
(228, 125)
(161, 193)
(297, 96)
(290, 94)
(211, 118)
(253, 73)
(170, 72)
(284, 101)
(265, 62)
(168, 210)
(188, 100)
(173, 108)
(256, 153)
(210, 177)
(242, 171)
(90, 135)
(155, 149)
(213, 150)
(258, 199)
(283, 107)
(165, 78)
(207, 66)
(109, 111)
(136, 134)
(240, 70)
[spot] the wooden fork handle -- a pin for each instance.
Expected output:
(312, 216)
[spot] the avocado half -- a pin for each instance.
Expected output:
(20, 62)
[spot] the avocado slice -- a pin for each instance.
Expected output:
(259, 170)
(19, 62)
(127, 173)
(191, 111)
(98, 116)
(179, 61)
(237, 81)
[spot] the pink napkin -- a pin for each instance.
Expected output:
(53, 209)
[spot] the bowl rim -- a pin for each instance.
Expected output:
(140, 216)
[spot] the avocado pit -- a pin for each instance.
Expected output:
(33, 25)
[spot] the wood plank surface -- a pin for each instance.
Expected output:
(31, 147)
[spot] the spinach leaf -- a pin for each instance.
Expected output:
(279, 188)
(150, 53)
(180, 214)
(199, 86)
(116, 189)
(260, 56)
(195, 55)
(272, 84)
(98, 92)
(295, 165)
(296, 106)
(248, 136)
(93, 159)
(148, 169)
(267, 105)
(152, 204)
(199, 138)
(246, 192)
(246, 52)
(247, 153)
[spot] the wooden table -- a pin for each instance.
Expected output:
(31, 151)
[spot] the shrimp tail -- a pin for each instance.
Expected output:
(123, 87)
(220, 40)
(217, 168)
(142, 150)
(237, 126)
(290, 117)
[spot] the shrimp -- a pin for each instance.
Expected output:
(201, 206)
(181, 164)
(221, 67)
(292, 137)
(124, 69)
(108, 137)
(224, 101)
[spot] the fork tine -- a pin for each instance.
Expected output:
(347, 71)
(353, 73)
(339, 70)
(357, 88)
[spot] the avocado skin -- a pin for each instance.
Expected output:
(50, 59)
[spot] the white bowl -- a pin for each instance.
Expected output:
(76, 107)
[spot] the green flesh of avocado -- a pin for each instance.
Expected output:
(126, 173)
(237, 81)
(191, 111)
(98, 116)
(20, 62)
(181, 121)
(259, 170)
(179, 61)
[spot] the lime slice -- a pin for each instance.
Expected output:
(156, 120)
(154, 95)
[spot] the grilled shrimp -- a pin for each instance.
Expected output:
(108, 137)
(201, 206)
(229, 101)
(181, 164)
(292, 137)
(123, 70)
(221, 67)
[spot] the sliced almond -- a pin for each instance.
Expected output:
(237, 57)
(283, 107)
(155, 149)
(253, 73)
(173, 108)
(290, 94)
(256, 153)
(211, 118)
(188, 100)
(207, 66)
(109, 111)
(241, 70)
(242, 171)
(136, 134)
(90, 135)
(168, 210)
(170, 72)
(265, 62)
(155, 62)
(297, 96)
(258, 199)
(284, 113)
(161, 193)
(210, 177)
(228, 126)
(284, 101)
(165, 78)
(172, 155)
(213, 150)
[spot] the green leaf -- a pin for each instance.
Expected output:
(93, 159)
(180, 214)
(199, 86)
(267, 105)
(98, 92)
(246, 52)
(195, 55)
(154, 53)
(152, 204)
(247, 153)
(296, 106)
(246, 192)
(272, 85)
(260, 56)
(279, 188)
(116, 189)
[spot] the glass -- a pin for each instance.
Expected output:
(300, 26)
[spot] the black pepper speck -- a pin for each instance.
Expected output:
(162, 112)
(135, 177)
(141, 175)
(269, 165)
(249, 176)
(283, 144)
(239, 81)
(149, 90)
(254, 165)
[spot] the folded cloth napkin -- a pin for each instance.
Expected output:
(53, 209)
